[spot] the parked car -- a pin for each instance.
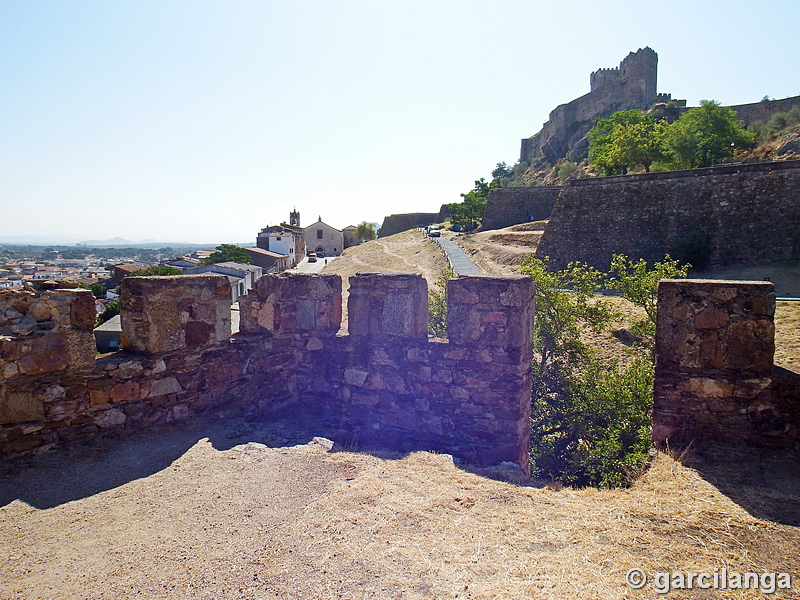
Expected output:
(434, 231)
(312, 257)
(320, 254)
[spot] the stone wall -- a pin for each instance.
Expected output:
(762, 111)
(715, 378)
(727, 215)
(509, 206)
(386, 382)
(393, 224)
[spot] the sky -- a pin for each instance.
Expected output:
(205, 121)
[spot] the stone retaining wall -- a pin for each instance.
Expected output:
(724, 215)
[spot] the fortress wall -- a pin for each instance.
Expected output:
(386, 382)
(394, 388)
(731, 214)
(403, 222)
(509, 206)
(714, 377)
(762, 111)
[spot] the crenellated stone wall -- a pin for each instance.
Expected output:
(386, 384)
(386, 381)
(715, 378)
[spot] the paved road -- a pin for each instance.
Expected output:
(459, 261)
(309, 267)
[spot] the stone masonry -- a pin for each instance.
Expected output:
(386, 382)
(725, 215)
(715, 378)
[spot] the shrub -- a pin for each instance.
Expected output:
(437, 304)
(590, 420)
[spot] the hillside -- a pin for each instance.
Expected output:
(778, 140)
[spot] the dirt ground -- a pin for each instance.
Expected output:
(223, 508)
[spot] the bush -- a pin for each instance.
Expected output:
(590, 420)
(156, 271)
(437, 304)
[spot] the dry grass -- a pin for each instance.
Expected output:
(258, 522)
(787, 335)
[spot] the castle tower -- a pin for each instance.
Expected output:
(294, 218)
(639, 73)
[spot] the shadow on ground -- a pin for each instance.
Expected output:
(765, 482)
(73, 473)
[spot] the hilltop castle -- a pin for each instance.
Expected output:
(631, 85)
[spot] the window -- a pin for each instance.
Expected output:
(277, 238)
(319, 234)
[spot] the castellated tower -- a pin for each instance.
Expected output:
(631, 85)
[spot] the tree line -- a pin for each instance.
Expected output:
(700, 137)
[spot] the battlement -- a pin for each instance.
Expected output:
(630, 85)
(386, 380)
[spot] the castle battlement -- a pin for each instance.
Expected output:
(630, 85)
(385, 381)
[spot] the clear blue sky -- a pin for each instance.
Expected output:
(205, 121)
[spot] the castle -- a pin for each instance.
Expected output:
(631, 85)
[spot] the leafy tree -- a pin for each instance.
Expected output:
(437, 304)
(590, 419)
(156, 271)
(706, 135)
(112, 310)
(98, 289)
(501, 169)
(626, 139)
(469, 212)
(365, 231)
(228, 253)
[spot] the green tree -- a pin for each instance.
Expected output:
(98, 289)
(590, 418)
(156, 271)
(469, 212)
(706, 135)
(626, 139)
(501, 169)
(228, 253)
(365, 231)
(111, 310)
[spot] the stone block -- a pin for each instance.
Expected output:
(382, 305)
(19, 407)
(288, 303)
(163, 314)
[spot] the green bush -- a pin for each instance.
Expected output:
(437, 304)
(590, 419)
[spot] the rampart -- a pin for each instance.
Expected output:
(509, 206)
(715, 378)
(386, 382)
(393, 224)
(724, 215)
